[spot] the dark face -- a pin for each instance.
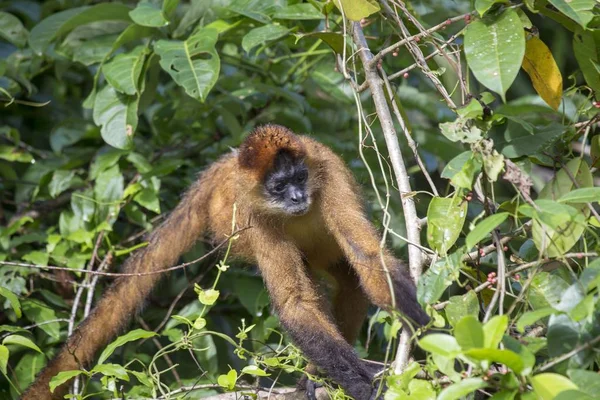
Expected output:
(285, 186)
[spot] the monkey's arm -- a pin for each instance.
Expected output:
(360, 243)
(301, 311)
(123, 299)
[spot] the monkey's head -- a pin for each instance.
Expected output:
(273, 158)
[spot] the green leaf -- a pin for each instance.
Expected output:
(482, 6)
(531, 317)
(121, 340)
(438, 277)
(588, 381)
(109, 185)
(67, 133)
(461, 130)
(199, 323)
(461, 389)
(254, 371)
(12, 29)
(117, 114)
(262, 35)
(464, 178)
(148, 199)
(111, 370)
(4, 353)
(583, 195)
(123, 72)
(194, 63)
(586, 46)
(469, 332)
(332, 39)
(445, 219)
(13, 153)
(63, 22)
(63, 377)
(493, 330)
(21, 341)
(579, 11)
(39, 313)
(495, 50)
(228, 381)
(61, 181)
(357, 9)
(147, 14)
(208, 297)
(558, 227)
(456, 164)
(12, 299)
(506, 357)
(298, 12)
(483, 228)
(37, 257)
(519, 143)
(459, 306)
(548, 385)
(439, 343)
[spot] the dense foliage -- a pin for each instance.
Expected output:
(111, 109)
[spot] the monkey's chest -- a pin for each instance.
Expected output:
(319, 248)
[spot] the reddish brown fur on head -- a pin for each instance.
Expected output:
(257, 153)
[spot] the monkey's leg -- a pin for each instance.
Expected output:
(301, 311)
(350, 305)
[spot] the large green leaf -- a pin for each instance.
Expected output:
(548, 385)
(123, 72)
(4, 353)
(21, 341)
(12, 299)
(461, 389)
(586, 46)
(459, 306)
(438, 277)
(116, 113)
(445, 219)
(357, 9)
(469, 332)
(194, 63)
(299, 12)
(63, 377)
(558, 227)
(439, 343)
(495, 49)
(579, 11)
(12, 29)
(484, 227)
(63, 22)
(147, 14)
(506, 357)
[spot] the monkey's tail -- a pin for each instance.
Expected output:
(126, 295)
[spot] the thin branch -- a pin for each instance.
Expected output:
(568, 355)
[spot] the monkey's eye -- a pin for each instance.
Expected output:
(300, 178)
(279, 187)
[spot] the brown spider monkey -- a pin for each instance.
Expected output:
(306, 217)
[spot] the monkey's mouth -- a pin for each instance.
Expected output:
(300, 209)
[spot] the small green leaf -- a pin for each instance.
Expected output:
(580, 11)
(12, 29)
(301, 11)
(148, 199)
(439, 343)
(61, 181)
(482, 6)
(21, 341)
(4, 353)
(111, 370)
(147, 14)
(254, 371)
(582, 195)
(199, 323)
(459, 306)
(63, 377)
(194, 63)
(506, 357)
(208, 297)
(228, 381)
(469, 333)
(12, 299)
(531, 317)
(116, 113)
(494, 329)
(461, 389)
(586, 47)
(121, 340)
(123, 72)
(263, 34)
(495, 50)
(37, 257)
(445, 219)
(548, 385)
(484, 227)
(588, 381)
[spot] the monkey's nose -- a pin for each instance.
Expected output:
(297, 196)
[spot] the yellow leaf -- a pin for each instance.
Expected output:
(357, 9)
(543, 71)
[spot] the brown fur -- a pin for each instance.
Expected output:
(334, 237)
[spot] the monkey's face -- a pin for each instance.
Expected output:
(285, 186)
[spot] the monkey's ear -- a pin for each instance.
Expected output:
(259, 150)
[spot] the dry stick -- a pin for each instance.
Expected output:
(568, 355)
(418, 54)
(407, 134)
(399, 168)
